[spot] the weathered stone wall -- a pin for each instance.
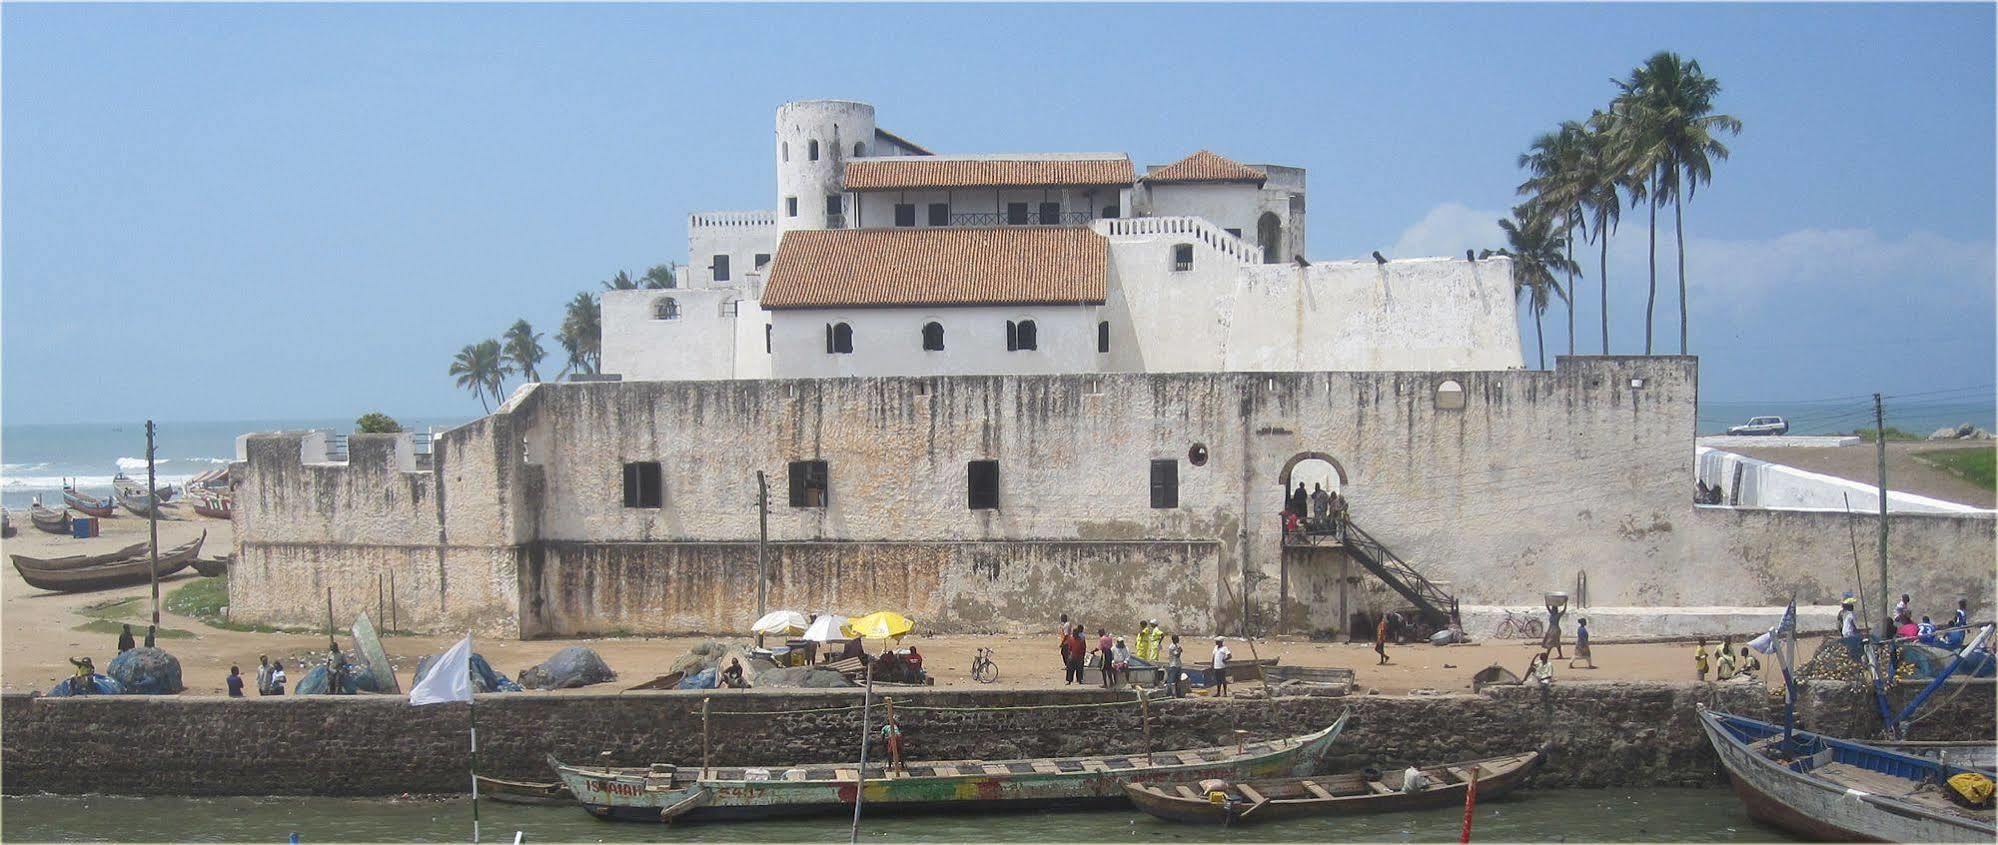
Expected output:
(1772, 555)
(1598, 734)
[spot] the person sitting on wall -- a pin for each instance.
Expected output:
(1750, 664)
(914, 660)
(732, 676)
(81, 683)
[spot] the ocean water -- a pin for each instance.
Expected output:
(36, 459)
(1917, 414)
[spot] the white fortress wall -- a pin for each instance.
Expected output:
(741, 236)
(1752, 483)
(889, 341)
(699, 344)
(1410, 314)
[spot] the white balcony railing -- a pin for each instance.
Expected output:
(1190, 228)
(731, 219)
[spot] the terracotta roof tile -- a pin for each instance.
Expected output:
(1016, 265)
(1204, 166)
(913, 172)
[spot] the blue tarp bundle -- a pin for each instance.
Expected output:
(146, 671)
(575, 666)
(704, 679)
(484, 679)
(100, 685)
(358, 679)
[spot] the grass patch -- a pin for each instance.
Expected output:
(204, 598)
(116, 609)
(106, 626)
(1893, 434)
(1977, 466)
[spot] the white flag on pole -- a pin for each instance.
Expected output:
(449, 680)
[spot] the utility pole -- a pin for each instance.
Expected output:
(153, 523)
(762, 542)
(1880, 442)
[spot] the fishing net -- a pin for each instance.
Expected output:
(704, 679)
(801, 677)
(146, 671)
(99, 685)
(484, 679)
(575, 666)
(357, 679)
(1834, 662)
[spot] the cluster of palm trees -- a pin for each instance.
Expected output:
(484, 367)
(1655, 144)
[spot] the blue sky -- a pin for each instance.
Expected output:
(253, 212)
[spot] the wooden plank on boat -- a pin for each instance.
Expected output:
(794, 774)
(1046, 767)
(1250, 793)
(1379, 788)
(1185, 791)
(846, 774)
(1315, 789)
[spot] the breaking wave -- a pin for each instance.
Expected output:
(129, 464)
(53, 483)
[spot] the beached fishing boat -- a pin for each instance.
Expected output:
(126, 571)
(1840, 790)
(665, 792)
(50, 564)
(135, 499)
(213, 505)
(101, 508)
(49, 519)
(1251, 801)
(524, 791)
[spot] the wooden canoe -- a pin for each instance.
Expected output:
(1250, 801)
(524, 791)
(212, 567)
(78, 561)
(215, 507)
(49, 519)
(136, 500)
(1835, 790)
(664, 792)
(100, 508)
(136, 569)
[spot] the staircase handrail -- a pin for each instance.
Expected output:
(1412, 583)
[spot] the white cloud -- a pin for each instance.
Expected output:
(1448, 230)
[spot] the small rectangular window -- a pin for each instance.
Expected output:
(790, 206)
(1165, 483)
(940, 214)
(766, 337)
(833, 205)
(808, 484)
(1236, 232)
(981, 480)
(762, 260)
(1050, 213)
(721, 268)
(1016, 214)
(1102, 336)
(642, 485)
(905, 214)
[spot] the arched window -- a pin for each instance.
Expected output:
(1269, 233)
(1182, 256)
(933, 337)
(784, 150)
(1021, 336)
(812, 151)
(1103, 336)
(1449, 396)
(839, 339)
(665, 308)
(859, 149)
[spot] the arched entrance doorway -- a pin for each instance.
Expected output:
(1269, 233)
(1312, 586)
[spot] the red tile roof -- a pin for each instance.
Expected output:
(1009, 265)
(1204, 166)
(915, 172)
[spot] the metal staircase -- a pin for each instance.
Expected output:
(1437, 605)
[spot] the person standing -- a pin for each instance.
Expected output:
(1552, 642)
(263, 674)
(1103, 647)
(235, 682)
(1700, 659)
(1062, 629)
(1750, 664)
(1120, 662)
(1541, 670)
(1173, 669)
(1724, 659)
(1143, 649)
(1074, 650)
(1300, 502)
(1958, 623)
(1380, 639)
(1582, 644)
(125, 641)
(1221, 655)
(1848, 628)
(151, 631)
(1901, 608)
(1321, 505)
(277, 678)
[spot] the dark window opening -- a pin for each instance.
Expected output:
(1103, 336)
(1050, 213)
(1165, 483)
(1197, 455)
(1236, 232)
(809, 488)
(982, 485)
(1016, 214)
(940, 214)
(859, 150)
(933, 337)
(767, 329)
(762, 260)
(833, 204)
(1182, 257)
(839, 339)
(1028, 336)
(642, 485)
(1110, 212)
(721, 268)
(790, 206)
(784, 147)
(812, 151)
(666, 309)
(905, 214)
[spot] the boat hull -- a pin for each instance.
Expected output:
(100, 508)
(1822, 809)
(1160, 803)
(628, 794)
(122, 573)
(49, 519)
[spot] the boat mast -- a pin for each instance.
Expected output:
(1880, 444)
(153, 523)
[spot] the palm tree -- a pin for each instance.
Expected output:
(621, 281)
(480, 370)
(1678, 134)
(658, 277)
(1538, 251)
(1555, 184)
(1637, 148)
(523, 350)
(582, 333)
(1600, 174)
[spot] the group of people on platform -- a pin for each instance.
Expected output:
(1724, 663)
(1115, 658)
(1320, 511)
(1904, 626)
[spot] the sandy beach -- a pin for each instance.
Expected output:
(41, 633)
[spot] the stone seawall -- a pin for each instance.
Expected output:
(1598, 734)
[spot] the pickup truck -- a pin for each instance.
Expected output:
(1761, 425)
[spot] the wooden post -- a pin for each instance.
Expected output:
(762, 541)
(1880, 450)
(393, 622)
(153, 524)
(472, 713)
(329, 619)
(1145, 714)
(860, 775)
(705, 736)
(1470, 804)
(379, 599)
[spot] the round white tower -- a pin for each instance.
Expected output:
(814, 140)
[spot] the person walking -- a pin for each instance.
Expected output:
(1700, 659)
(1104, 644)
(1174, 670)
(1380, 639)
(1552, 642)
(1221, 655)
(125, 641)
(235, 682)
(1582, 644)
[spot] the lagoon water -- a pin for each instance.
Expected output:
(1574, 815)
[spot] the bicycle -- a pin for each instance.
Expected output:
(1519, 625)
(983, 670)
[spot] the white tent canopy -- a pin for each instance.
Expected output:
(826, 629)
(780, 623)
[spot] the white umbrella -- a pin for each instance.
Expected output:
(780, 623)
(826, 629)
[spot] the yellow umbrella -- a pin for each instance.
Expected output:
(879, 625)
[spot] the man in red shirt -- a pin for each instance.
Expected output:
(1073, 651)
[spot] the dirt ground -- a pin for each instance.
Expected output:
(1904, 471)
(41, 632)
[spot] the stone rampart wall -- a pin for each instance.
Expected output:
(1774, 555)
(1598, 734)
